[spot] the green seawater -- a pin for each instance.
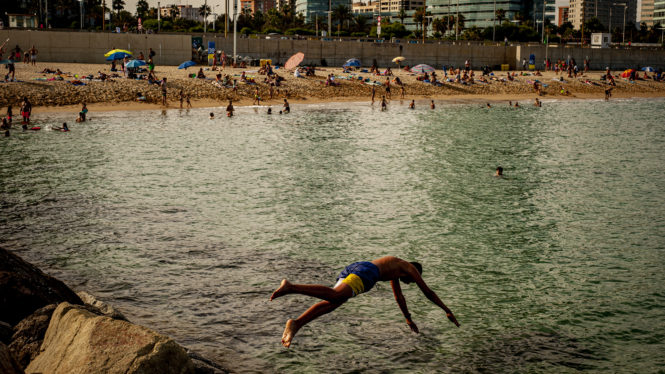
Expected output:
(188, 224)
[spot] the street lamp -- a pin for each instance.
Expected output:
(494, 23)
(81, 7)
(662, 28)
(457, 22)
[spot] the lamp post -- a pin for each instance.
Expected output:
(159, 17)
(81, 7)
(235, 28)
(494, 23)
(662, 28)
(330, 17)
(457, 22)
(205, 17)
(542, 35)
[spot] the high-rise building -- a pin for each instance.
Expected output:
(311, 9)
(257, 5)
(608, 12)
(659, 12)
(386, 7)
(562, 15)
(184, 11)
(646, 9)
(479, 13)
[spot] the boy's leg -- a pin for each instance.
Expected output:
(338, 294)
(315, 311)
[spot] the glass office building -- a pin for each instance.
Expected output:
(477, 12)
(318, 8)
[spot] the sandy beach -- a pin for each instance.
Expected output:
(119, 93)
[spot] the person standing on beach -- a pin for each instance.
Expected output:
(182, 98)
(189, 103)
(355, 279)
(384, 105)
(388, 88)
(373, 93)
(11, 67)
(26, 110)
(229, 109)
(33, 55)
(257, 98)
(163, 87)
(403, 90)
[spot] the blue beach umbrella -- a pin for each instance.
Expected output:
(354, 62)
(135, 63)
(422, 68)
(117, 56)
(649, 69)
(186, 64)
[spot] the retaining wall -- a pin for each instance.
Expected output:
(87, 47)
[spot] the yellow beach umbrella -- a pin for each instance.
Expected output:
(107, 54)
(398, 60)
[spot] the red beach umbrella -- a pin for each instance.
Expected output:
(294, 61)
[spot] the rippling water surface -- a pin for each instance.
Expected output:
(188, 224)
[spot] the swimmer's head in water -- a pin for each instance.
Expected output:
(212, 115)
(408, 279)
(499, 170)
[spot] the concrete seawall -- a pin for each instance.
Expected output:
(87, 47)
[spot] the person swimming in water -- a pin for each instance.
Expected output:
(499, 172)
(229, 109)
(412, 105)
(355, 279)
(212, 115)
(269, 110)
(287, 108)
(431, 105)
(384, 105)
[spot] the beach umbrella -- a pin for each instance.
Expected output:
(107, 54)
(352, 62)
(649, 69)
(135, 63)
(422, 68)
(117, 56)
(186, 64)
(398, 60)
(294, 61)
(626, 73)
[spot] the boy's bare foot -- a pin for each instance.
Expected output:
(289, 331)
(282, 290)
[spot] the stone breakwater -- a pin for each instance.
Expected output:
(41, 91)
(45, 327)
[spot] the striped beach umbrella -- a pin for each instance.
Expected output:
(422, 68)
(107, 54)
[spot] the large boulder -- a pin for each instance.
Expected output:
(7, 363)
(24, 288)
(79, 341)
(29, 334)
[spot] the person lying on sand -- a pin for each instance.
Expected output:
(355, 279)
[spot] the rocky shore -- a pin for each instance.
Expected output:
(45, 327)
(203, 92)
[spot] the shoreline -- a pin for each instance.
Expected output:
(102, 107)
(66, 93)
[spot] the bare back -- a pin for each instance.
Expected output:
(392, 268)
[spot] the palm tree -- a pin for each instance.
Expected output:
(204, 11)
(142, 8)
(118, 5)
(401, 14)
(174, 10)
(440, 25)
(341, 13)
(500, 15)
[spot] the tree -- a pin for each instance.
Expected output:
(174, 11)
(360, 23)
(204, 10)
(420, 18)
(500, 15)
(593, 25)
(118, 5)
(341, 13)
(401, 14)
(440, 25)
(142, 8)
